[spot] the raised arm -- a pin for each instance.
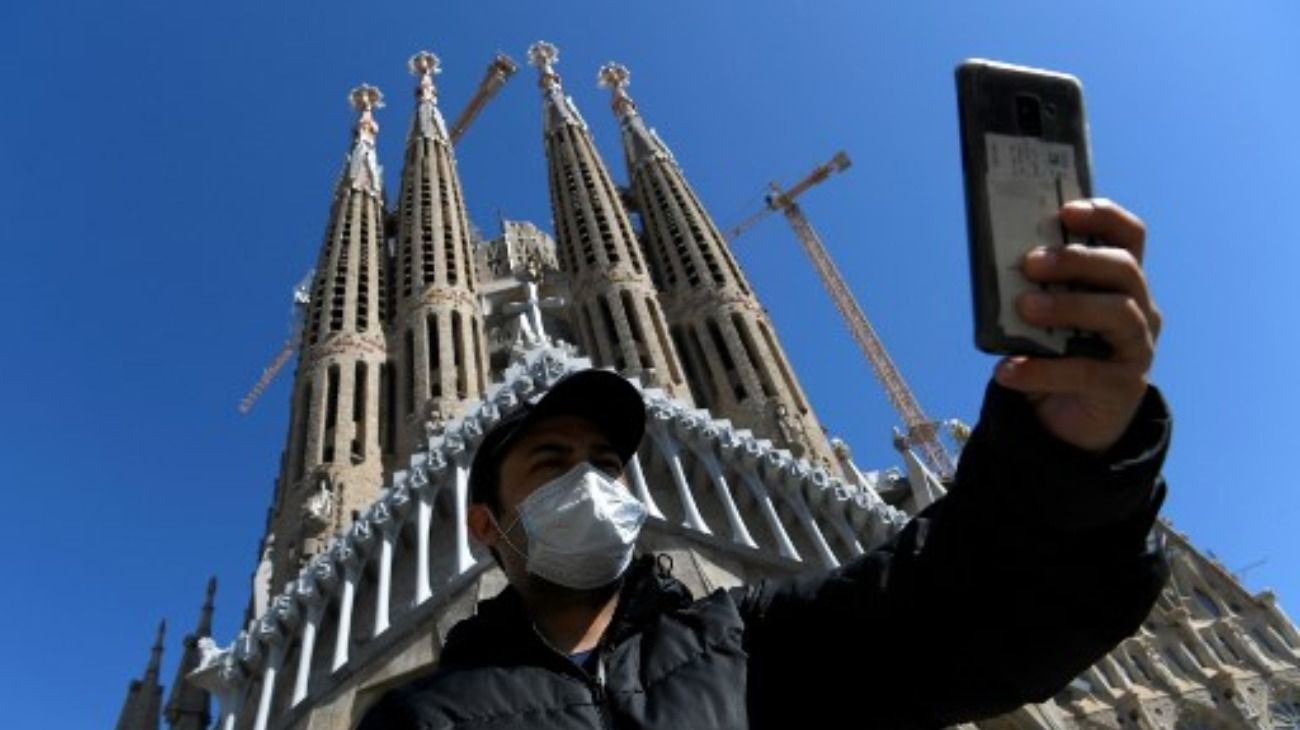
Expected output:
(1035, 564)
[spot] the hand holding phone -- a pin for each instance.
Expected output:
(1024, 154)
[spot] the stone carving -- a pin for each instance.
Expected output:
(543, 55)
(789, 428)
(435, 423)
(363, 166)
(322, 570)
(248, 650)
(428, 119)
(348, 344)
(841, 450)
(436, 463)
(470, 430)
(361, 532)
(305, 589)
(285, 610)
(266, 630)
(319, 509)
(345, 554)
(209, 653)
(218, 671)
(262, 577)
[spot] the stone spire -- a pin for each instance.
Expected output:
(144, 696)
(332, 462)
(734, 363)
(188, 705)
(615, 307)
(438, 346)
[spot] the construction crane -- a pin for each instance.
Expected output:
(498, 73)
(301, 298)
(921, 431)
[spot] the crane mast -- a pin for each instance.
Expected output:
(920, 429)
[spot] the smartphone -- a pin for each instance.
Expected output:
(1024, 149)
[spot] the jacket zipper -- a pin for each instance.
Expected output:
(595, 684)
(598, 691)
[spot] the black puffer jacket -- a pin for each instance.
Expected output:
(1034, 565)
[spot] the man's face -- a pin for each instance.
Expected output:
(548, 450)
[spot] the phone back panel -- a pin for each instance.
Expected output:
(1024, 153)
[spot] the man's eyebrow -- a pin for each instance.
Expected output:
(548, 448)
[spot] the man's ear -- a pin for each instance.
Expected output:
(480, 522)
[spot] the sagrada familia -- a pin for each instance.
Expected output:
(418, 334)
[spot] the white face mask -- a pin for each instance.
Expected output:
(582, 527)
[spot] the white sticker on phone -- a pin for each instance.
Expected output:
(1028, 180)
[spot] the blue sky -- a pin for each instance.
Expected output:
(169, 166)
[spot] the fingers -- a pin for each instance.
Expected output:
(1109, 269)
(1118, 318)
(1040, 377)
(1108, 221)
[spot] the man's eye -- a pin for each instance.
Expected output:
(547, 465)
(611, 468)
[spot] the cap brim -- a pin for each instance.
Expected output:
(605, 399)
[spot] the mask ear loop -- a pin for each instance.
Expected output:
(506, 537)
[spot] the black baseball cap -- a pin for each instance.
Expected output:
(606, 399)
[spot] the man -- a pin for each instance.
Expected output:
(1032, 567)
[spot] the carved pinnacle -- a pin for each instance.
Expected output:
(616, 77)
(544, 56)
(424, 63)
(366, 98)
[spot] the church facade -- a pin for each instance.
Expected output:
(418, 335)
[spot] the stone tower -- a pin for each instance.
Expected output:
(332, 462)
(615, 308)
(437, 342)
(734, 363)
(188, 705)
(144, 695)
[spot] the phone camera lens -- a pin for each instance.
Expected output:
(1029, 115)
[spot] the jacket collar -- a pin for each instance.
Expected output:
(502, 634)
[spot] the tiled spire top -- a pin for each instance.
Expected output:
(615, 76)
(424, 64)
(363, 171)
(641, 142)
(365, 99)
(544, 56)
(428, 120)
(557, 109)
